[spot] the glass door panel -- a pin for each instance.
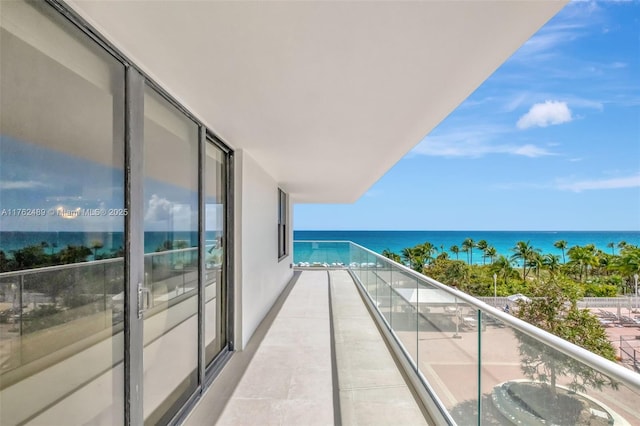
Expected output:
(61, 224)
(215, 338)
(170, 292)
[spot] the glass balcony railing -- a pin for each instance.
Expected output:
(481, 365)
(45, 310)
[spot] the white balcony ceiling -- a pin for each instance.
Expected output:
(327, 96)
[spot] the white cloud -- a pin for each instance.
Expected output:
(520, 186)
(475, 143)
(545, 114)
(21, 184)
(618, 65)
(612, 183)
(514, 103)
(528, 150)
(161, 209)
(585, 103)
(545, 44)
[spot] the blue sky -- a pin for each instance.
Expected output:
(551, 141)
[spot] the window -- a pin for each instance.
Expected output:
(282, 224)
(62, 144)
(69, 167)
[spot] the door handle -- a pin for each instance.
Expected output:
(142, 292)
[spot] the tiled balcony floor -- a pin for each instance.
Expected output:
(294, 379)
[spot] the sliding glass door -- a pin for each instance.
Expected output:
(215, 290)
(62, 195)
(114, 238)
(171, 259)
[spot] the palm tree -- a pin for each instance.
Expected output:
(443, 255)
(95, 246)
(502, 268)
(562, 245)
(455, 250)
(483, 245)
(611, 246)
(628, 262)
(468, 245)
(603, 262)
(490, 252)
(391, 255)
(536, 262)
(427, 250)
(457, 275)
(551, 262)
(412, 256)
(584, 257)
(408, 256)
(524, 252)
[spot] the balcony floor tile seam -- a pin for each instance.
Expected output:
(364, 363)
(352, 388)
(307, 334)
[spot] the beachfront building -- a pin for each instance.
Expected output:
(151, 153)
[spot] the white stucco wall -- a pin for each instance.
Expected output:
(259, 276)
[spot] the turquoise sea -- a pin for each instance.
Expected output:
(111, 241)
(377, 241)
(503, 241)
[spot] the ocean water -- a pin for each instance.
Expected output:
(112, 241)
(377, 241)
(503, 241)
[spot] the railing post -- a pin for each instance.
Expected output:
(417, 327)
(391, 307)
(104, 294)
(21, 301)
(479, 330)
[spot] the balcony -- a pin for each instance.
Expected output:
(461, 360)
(355, 339)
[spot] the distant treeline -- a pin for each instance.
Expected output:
(584, 269)
(46, 254)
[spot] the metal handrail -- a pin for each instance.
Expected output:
(609, 368)
(88, 263)
(588, 358)
(59, 267)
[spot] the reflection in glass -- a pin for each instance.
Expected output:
(62, 202)
(215, 273)
(171, 262)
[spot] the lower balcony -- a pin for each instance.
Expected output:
(359, 339)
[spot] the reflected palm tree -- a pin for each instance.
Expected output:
(95, 246)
